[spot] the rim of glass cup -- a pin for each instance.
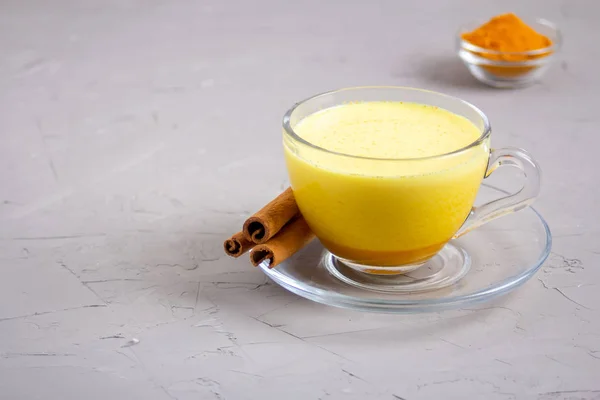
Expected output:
(486, 131)
(550, 50)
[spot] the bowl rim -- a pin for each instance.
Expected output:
(553, 48)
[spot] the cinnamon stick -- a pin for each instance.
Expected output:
(287, 242)
(237, 245)
(265, 224)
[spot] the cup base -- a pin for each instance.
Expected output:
(445, 268)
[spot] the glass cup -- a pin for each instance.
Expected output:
(391, 216)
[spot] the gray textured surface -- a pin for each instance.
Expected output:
(128, 131)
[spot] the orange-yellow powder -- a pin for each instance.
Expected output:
(507, 33)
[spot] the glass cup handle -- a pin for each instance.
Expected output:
(497, 208)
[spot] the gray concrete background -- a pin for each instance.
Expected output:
(135, 135)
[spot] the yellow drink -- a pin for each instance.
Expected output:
(392, 206)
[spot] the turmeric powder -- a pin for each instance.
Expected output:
(507, 33)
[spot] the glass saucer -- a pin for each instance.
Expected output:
(496, 258)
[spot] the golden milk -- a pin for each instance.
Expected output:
(381, 201)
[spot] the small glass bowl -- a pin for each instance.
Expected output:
(509, 69)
